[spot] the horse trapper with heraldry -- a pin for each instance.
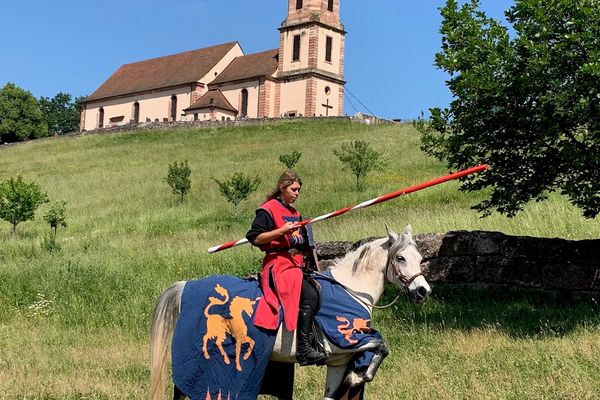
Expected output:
(209, 323)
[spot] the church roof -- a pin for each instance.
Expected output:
(161, 72)
(212, 98)
(249, 66)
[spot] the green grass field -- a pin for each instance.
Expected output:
(74, 324)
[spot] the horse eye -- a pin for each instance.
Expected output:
(400, 259)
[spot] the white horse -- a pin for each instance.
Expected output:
(362, 272)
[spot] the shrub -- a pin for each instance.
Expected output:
(290, 160)
(178, 178)
(50, 243)
(55, 216)
(238, 187)
(360, 158)
(19, 200)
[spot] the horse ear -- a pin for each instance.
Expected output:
(408, 230)
(391, 234)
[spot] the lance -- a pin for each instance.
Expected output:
(364, 204)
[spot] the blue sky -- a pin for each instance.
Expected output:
(74, 46)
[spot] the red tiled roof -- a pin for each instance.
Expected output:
(161, 72)
(250, 66)
(212, 98)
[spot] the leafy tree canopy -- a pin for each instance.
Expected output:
(61, 113)
(360, 158)
(19, 200)
(526, 101)
(20, 115)
(178, 178)
(238, 187)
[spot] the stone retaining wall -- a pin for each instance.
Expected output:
(492, 258)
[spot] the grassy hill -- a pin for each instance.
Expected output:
(74, 323)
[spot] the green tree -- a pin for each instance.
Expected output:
(237, 188)
(526, 101)
(290, 160)
(19, 200)
(360, 158)
(55, 216)
(20, 115)
(178, 178)
(61, 113)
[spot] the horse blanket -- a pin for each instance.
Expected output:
(217, 351)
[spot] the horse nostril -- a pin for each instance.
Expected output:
(422, 292)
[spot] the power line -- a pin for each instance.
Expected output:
(349, 101)
(367, 108)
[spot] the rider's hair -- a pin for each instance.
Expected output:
(285, 180)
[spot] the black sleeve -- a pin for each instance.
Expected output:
(262, 223)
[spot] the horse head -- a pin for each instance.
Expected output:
(403, 266)
(242, 305)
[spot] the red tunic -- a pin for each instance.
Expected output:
(285, 269)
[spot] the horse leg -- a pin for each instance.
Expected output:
(178, 394)
(380, 353)
(250, 342)
(335, 376)
(238, 350)
(355, 393)
(219, 342)
(204, 347)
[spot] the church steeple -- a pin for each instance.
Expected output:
(311, 49)
(324, 11)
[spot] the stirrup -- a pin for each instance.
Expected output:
(318, 358)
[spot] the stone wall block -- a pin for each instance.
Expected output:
(493, 258)
(486, 243)
(451, 269)
(429, 244)
(571, 277)
(454, 244)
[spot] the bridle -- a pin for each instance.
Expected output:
(405, 280)
(391, 262)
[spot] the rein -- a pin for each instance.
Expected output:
(357, 295)
(406, 281)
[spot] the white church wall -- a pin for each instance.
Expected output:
(153, 106)
(288, 37)
(328, 97)
(293, 97)
(208, 115)
(236, 51)
(233, 94)
(333, 66)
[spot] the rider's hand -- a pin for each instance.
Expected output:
(288, 228)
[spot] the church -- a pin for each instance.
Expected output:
(304, 77)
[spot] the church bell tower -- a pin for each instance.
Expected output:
(311, 60)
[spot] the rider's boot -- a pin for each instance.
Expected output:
(306, 354)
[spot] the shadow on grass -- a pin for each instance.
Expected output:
(519, 313)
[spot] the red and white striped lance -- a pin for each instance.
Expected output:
(368, 203)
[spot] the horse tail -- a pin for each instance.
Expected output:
(213, 301)
(165, 316)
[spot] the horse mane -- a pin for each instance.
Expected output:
(356, 257)
(362, 254)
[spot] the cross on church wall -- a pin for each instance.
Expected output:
(327, 108)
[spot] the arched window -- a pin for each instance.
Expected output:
(173, 111)
(244, 106)
(136, 112)
(101, 118)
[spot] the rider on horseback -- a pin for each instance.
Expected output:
(275, 230)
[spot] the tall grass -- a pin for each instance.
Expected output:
(74, 323)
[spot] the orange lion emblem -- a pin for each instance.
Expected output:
(218, 327)
(359, 325)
